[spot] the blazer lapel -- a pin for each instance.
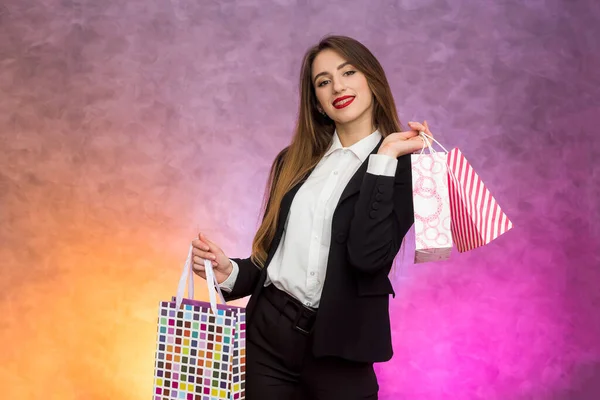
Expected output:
(355, 182)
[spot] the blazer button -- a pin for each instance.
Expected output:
(378, 197)
(375, 206)
(373, 214)
(381, 189)
(341, 237)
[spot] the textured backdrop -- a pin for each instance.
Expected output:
(127, 126)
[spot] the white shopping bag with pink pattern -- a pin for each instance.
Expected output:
(431, 202)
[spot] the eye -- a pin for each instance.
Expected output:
(322, 83)
(351, 72)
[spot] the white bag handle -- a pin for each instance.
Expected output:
(211, 283)
(425, 136)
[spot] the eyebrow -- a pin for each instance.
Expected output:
(342, 65)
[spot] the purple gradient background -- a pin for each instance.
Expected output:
(127, 126)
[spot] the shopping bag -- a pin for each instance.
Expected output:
(431, 203)
(477, 219)
(200, 351)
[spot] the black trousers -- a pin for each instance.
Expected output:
(279, 360)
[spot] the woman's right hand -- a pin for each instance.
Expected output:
(204, 249)
(401, 143)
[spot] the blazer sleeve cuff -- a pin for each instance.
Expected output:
(381, 164)
(227, 284)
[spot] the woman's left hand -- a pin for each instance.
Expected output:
(400, 143)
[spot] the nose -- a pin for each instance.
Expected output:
(338, 86)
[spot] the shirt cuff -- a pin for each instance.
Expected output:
(381, 164)
(228, 283)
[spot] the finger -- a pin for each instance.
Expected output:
(198, 266)
(421, 141)
(213, 247)
(408, 134)
(424, 128)
(204, 254)
(417, 126)
(198, 244)
(199, 263)
(202, 238)
(416, 144)
(427, 130)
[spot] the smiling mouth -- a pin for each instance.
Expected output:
(343, 102)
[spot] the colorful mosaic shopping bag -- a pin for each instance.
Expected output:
(431, 203)
(477, 219)
(200, 353)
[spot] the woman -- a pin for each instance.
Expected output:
(338, 204)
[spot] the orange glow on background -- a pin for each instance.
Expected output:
(80, 299)
(82, 333)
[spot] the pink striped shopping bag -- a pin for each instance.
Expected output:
(476, 216)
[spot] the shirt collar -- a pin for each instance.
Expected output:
(361, 149)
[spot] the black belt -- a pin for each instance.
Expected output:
(303, 318)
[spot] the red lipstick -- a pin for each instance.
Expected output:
(336, 102)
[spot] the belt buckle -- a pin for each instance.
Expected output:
(297, 321)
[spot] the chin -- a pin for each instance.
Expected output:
(346, 119)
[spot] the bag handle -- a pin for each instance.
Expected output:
(188, 276)
(425, 136)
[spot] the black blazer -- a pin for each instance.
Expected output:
(372, 217)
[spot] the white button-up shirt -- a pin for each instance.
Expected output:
(300, 262)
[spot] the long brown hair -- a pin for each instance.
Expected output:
(314, 132)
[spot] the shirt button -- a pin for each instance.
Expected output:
(312, 273)
(335, 172)
(307, 304)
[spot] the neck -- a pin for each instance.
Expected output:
(352, 132)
